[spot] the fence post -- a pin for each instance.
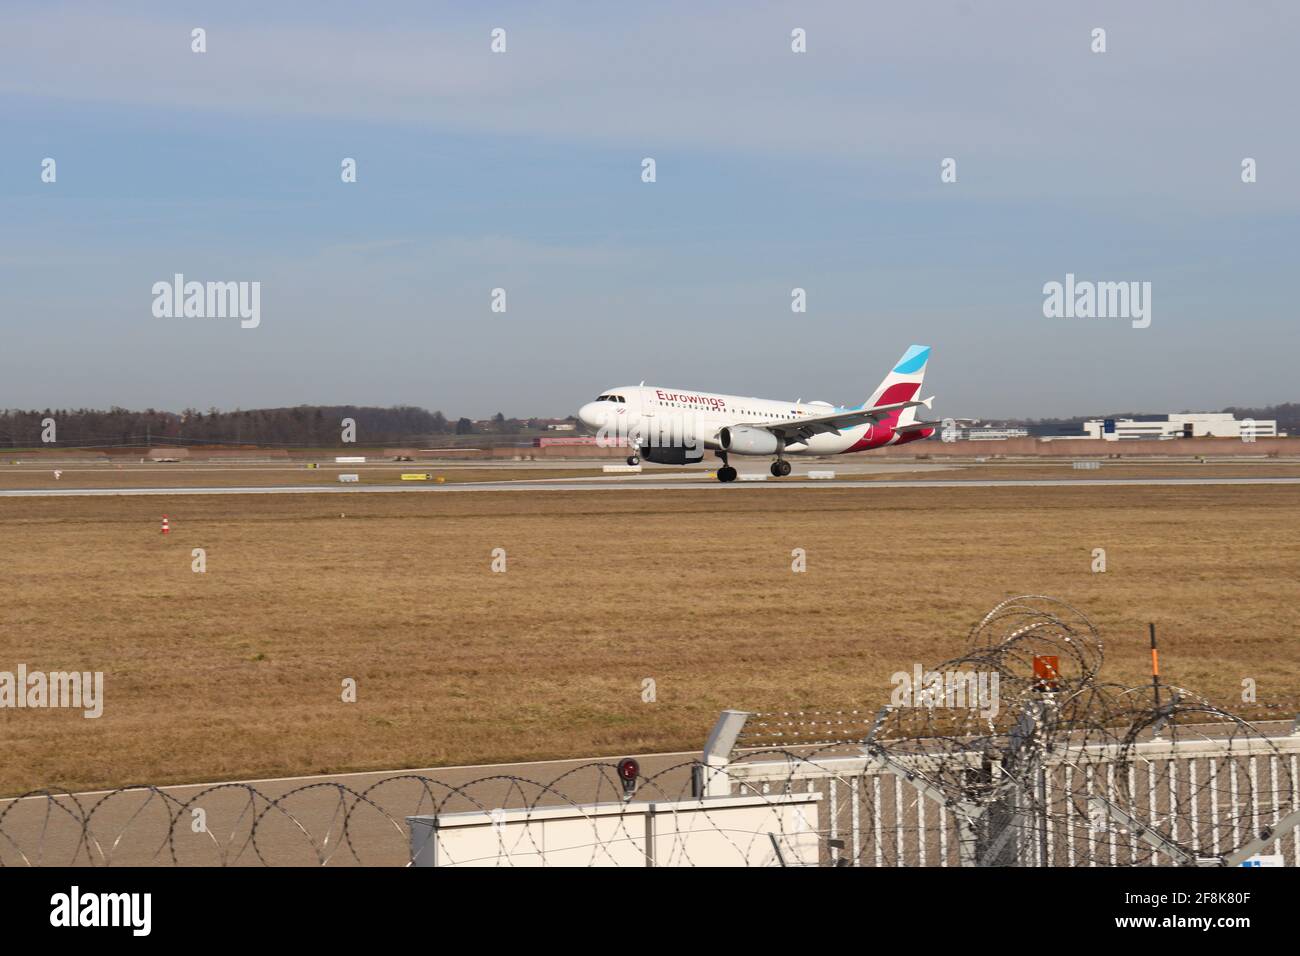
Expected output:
(710, 778)
(424, 840)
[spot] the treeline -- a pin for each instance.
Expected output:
(1287, 415)
(305, 425)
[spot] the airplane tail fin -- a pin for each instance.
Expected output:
(903, 384)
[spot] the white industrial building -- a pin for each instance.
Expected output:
(992, 433)
(1181, 425)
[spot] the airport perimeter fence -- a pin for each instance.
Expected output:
(1069, 771)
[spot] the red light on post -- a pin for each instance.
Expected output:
(628, 772)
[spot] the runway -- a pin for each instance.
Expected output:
(621, 483)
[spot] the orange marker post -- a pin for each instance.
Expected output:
(1155, 664)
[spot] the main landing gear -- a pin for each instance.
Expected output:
(780, 469)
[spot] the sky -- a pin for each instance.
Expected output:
(523, 171)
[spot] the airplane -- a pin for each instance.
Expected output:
(673, 427)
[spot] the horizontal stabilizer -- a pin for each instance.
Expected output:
(917, 426)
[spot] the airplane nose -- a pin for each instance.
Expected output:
(592, 415)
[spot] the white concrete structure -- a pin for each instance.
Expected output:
(1183, 425)
(778, 829)
(989, 433)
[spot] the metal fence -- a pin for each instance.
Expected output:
(1054, 767)
(1065, 770)
(1183, 802)
(1186, 801)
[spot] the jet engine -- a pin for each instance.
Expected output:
(743, 440)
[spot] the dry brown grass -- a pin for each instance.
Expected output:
(262, 476)
(1025, 470)
(236, 673)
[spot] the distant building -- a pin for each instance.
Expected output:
(1181, 425)
(562, 427)
(991, 433)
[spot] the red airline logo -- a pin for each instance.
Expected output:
(715, 403)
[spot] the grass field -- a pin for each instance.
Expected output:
(237, 672)
(261, 476)
(1021, 470)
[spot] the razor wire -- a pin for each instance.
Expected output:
(1067, 770)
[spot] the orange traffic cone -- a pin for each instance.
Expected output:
(166, 529)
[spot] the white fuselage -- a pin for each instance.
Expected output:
(671, 415)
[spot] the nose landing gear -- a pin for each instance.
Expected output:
(726, 472)
(780, 468)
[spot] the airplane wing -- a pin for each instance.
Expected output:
(801, 429)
